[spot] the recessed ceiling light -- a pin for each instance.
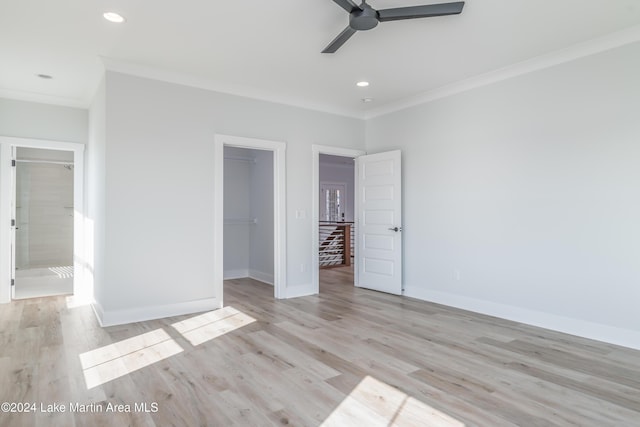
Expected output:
(113, 17)
(44, 76)
(365, 100)
(362, 84)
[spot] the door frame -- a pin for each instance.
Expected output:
(316, 150)
(279, 209)
(14, 216)
(7, 187)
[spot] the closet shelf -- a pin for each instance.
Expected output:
(240, 221)
(240, 159)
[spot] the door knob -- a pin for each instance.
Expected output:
(396, 229)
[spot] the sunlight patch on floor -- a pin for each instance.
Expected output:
(82, 296)
(41, 282)
(75, 301)
(113, 361)
(63, 272)
(375, 403)
(210, 325)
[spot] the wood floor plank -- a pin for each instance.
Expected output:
(596, 366)
(345, 357)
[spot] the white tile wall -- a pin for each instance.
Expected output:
(44, 215)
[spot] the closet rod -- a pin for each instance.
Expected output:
(240, 221)
(50, 162)
(240, 159)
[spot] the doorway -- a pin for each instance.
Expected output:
(43, 211)
(377, 261)
(238, 219)
(9, 147)
(336, 226)
(333, 216)
(248, 214)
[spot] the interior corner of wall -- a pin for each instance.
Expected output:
(299, 291)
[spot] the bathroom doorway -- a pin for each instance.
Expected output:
(43, 203)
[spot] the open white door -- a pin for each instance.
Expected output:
(379, 205)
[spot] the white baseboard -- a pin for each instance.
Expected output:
(235, 274)
(581, 328)
(98, 311)
(261, 276)
(140, 314)
(254, 274)
(300, 291)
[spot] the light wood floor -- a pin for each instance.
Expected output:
(345, 357)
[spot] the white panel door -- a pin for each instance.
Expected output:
(379, 244)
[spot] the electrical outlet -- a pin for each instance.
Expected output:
(456, 275)
(303, 268)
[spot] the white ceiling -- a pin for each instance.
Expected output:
(271, 49)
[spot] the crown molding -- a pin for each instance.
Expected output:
(611, 41)
(138, 70)
(23, 95)
(577, 51)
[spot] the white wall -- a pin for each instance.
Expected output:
(237, 209)
(95, 221)
(44, 210)
(42, 121)
(261, 234)
(529, 188)
(158, 188)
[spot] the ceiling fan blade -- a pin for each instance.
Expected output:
(347, 5)
(425, 11)
(340, 40)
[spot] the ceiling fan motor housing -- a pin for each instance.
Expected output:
(364, 19)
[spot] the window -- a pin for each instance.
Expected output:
(332, 202)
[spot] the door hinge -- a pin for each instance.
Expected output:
(13, 222)
(13, 282)
(13, 163)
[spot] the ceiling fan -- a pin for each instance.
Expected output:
(364, 17)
